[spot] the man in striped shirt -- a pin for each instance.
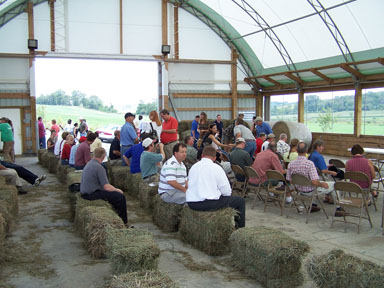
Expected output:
(173, 176)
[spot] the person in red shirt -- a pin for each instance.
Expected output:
(259, 142)
(67, 149)
(168, 133)
(55, 127)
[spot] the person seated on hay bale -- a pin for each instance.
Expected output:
(83, 153)
(262, 127)
(259, 142)
(69, 141)
(72, 155)
(132, 158)
(270, 138)
(226, 165)
(173, 176)
(149, 160)
(94, 185)
(191, 152)
(114, 149)
(51, 142)
(12, 178)
(24, 173)
(242, 131)
(97, 143)
(240, 157)
(60, 144)
(307, 168)
(209, 188)
(282, 145)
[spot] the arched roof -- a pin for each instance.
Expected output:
(275, 37)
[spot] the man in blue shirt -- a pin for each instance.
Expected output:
(128, 136)
(219, 125)
(132, 156)
(194, 133)
(318, 159)
(262, 127)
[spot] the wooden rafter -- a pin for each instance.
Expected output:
(321, 75)
(352, 71)
(294, 78)
(273, 81)
(381, 61)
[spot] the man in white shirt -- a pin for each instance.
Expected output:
(209, 189)
(282, 145)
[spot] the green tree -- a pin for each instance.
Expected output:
(145, 108)
(325, 119)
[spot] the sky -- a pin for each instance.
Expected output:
(122, 83)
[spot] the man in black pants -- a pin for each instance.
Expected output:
(209, 189)
(24, 173)
(94, 185)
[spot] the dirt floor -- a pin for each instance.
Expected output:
(43, 249)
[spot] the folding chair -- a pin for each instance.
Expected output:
(251, 173)
(378, 179)
(337, 163)
(278, 195)
(359, 201)
(301, 180)
(321, 175)
(239, 186)
(360, 176)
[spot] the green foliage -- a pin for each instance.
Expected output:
(76, 99)
(145, 108)
(325, 119)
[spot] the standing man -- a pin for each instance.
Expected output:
(219, 126)
(83, 128)
(209, 188)
(168, 133)
(128, 136)
(83, 153)
(114, 149)
(41, 127)
(150, 160)
(241, 131)
(95, 185)
(173, 176)
(262, 127)
(8, 140)
(194, 133)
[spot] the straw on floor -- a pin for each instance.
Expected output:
(143, 279)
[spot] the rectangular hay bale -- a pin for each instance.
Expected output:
(208, 231)
(121, 177)
(131, 250)
(146, 194)
(268, 255)
(40, 154)
(62, 172)
(166, 215)
(341, 270)
(53, 163)
(8, 193)
(2, 235)
(142, 279)
(6, 216)
(45, 159)
(134, 188)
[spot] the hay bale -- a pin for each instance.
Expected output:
(146, 194)
(53, 163)
(131, 250)
(2, 235)
(62, 172)
(142, 279)
(8, 193)
(74, 176)
(208, 231)
(45, 159)
(134, 188)
(166, 215)
(341, 270)
(121, 177)
(95, 222)
(40, 154)
(6, 216)
(269, 256)
(81, 203)
(112, 163)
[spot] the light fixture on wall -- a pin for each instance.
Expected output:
(165, 49)
(32, 44)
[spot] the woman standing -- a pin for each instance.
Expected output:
(154, 125)
(202, 128)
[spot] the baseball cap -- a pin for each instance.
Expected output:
(271, 135)
(82, 139)
(147, 141)
(240, 139)
(129, 114)
(258, 118)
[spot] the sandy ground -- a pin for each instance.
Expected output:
(44, 250)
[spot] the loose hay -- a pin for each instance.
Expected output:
(62, 172)
(131, 250)
(341, 270)
(8, 193)
(144, 279)
(209, 230)
(166, 215)
(121, 177)
(81, 203)
(269, 256)
(146, 194)
(96, 220)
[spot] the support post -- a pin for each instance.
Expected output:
(259, 105)
(358, 110)
(52, 26)
(176, 28)
(121, 26)
(267, 108)
(234, 57)
(300, 106)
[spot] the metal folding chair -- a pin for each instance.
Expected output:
(321, 175)
(358, 201)
(360, 176)
(256, 188)
(301, 180)
(279, 195)
(378, 179)
(239, 186)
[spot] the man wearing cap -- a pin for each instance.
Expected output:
(128, 136)
(168, 133)
(83, 153)
(270, 138)
(150, 160)
(262, 127)
(240, 157)
(8, 140)
(132, 157)
(241, 131)
(95, 185)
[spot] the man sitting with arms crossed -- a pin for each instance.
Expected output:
(173, 176)
(149, 161)
(209, 188)
(307, 168)
(95, 185)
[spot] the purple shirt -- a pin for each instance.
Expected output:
(83, 154)
(41, 129)
(360, 164)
